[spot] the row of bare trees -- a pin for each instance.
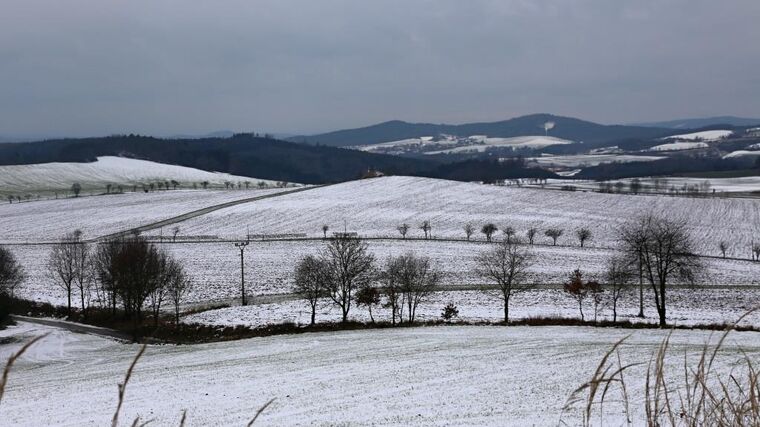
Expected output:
(489, 230)
(128, 273)
(344, 272)
(656, 250)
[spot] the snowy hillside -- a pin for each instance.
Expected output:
(679, 146)
(456, 375)
(485, 143)
(377, 206)
(587, 160)
(708, 135)
(453, 144)
(48, 220)
(106, 170)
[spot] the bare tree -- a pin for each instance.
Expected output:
(488, 230)
(583, 235)
(368, 296)
(83, 273)
(175, 232)
(76, 188)
(425, 227)
(619, 274)
(403, 229)
(131, 269)
(392, 289)
(577, 289)
(179, 286)
(554, 234)
(62, 264)
(506, 264)
(531, 234)
(508, 233)
(11, 273)
(350, 267)
(416, 278)
(468, 230)
(635, 185)
(325, 229)
(666, 249)
(723, 246)
(311, 282)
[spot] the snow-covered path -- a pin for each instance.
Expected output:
(455, 375)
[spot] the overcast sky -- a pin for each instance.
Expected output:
(96, 67)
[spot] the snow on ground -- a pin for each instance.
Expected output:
(741, 153)
(485, 143)
(686, 306)
(48, 220)
(449, 375)
(215, 267)
(708, 135)
(651, 184)
(377, 206)
(588, 160)
(106, 170)
(678, 146)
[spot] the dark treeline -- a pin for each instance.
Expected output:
(669, 166)
(249, 155)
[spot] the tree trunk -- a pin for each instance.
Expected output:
(313, 315)
(662, 308)
(580, 307)
(614, 310)
(84, 312)
(641, 289)
(69, 303)
(506, 311)
(372, 319)
(345, 316)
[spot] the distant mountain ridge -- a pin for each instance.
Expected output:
(563, 127)
(702, 122)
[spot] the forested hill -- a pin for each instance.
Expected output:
(248, 155)
(561, 127)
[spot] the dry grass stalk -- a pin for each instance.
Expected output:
(12, 360)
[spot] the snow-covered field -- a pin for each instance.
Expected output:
(708, 135)
(485, 143)
(454, 144)
(741, 153)
(744, 184)
(215, 267)
(678, 146)
(587, 160)
(49, 177)
(451, 375)
(48, 220)
(376, 207)
(686, 306)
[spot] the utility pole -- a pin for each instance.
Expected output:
(241, 246)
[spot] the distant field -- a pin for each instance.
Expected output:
(50, 177)
(376, 207)
(48, 220)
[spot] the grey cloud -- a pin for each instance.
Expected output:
(157, 66)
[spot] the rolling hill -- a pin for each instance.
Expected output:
(107, 170)
(702, 122)
(563, 127)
